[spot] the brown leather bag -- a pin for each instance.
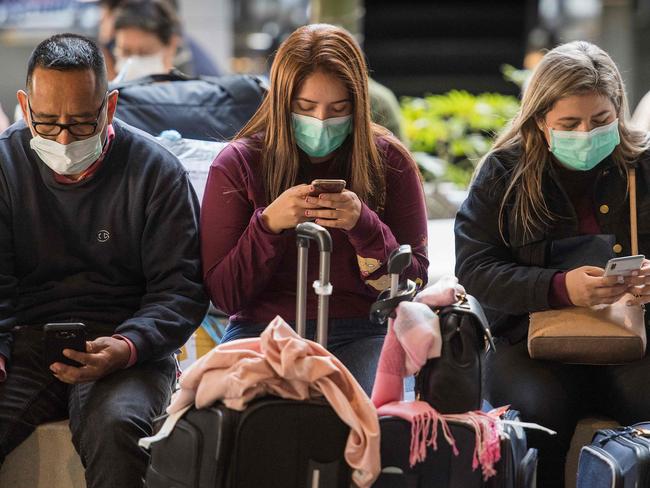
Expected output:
(611, 334)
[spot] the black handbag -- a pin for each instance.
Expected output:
(451, 383)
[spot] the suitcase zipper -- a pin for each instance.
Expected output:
(640, 439)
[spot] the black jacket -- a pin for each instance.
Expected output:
(512, 279)
(120, 248)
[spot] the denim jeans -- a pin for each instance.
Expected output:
(356, 343)
(107, 417)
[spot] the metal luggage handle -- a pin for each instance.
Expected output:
(306, 232)
(398, 261)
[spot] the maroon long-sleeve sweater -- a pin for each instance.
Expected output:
(250, 272)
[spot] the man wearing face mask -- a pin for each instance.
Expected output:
(98, 224)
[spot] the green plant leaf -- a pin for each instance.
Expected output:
(457, 127)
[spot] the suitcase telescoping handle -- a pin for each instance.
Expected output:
(399, 291)
(306, 232)
(398, 261)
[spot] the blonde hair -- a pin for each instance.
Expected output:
(574, 68)
(332, 50)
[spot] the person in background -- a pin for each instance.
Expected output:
(385, 110)
(641, 116)
(314, 123)
(99, 225)
(146, 38)
(190, 57)
(547, 208)
(4, 120)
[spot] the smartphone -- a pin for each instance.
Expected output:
(624, 266)
(60, 336)
(327, 186)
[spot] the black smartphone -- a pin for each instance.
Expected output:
(327, 186)
(60, 336)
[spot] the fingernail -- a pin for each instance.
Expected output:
(635, 273)
(628, 303)
(307, 213)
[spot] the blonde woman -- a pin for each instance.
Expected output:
(547, 209)
(313, 124)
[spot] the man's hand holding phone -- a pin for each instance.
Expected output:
(101, 357)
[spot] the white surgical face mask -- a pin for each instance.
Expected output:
(135, 67)
(68, 159)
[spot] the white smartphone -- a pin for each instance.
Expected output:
(624, 266)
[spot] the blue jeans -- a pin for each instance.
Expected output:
(356, 343)
(107, 417)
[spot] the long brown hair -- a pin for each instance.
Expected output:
(570, 69)
(312, 48)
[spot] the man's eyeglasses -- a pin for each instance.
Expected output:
(52, 129)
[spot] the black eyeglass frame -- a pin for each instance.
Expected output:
(68, 127)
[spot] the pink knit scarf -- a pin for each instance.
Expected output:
(487, 431)
(424, 427)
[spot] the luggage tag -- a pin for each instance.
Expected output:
(165, 430)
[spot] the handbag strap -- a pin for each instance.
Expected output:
(468, 305)
(633, 224)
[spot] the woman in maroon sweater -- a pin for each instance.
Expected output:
(314, 123)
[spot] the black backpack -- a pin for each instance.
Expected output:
(206, 108)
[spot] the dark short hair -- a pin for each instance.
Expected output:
(154, 16)
(68, 52)
(110, 4)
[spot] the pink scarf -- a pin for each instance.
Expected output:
(281, 363)
(424, 427)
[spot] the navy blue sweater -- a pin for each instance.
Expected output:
(120, 248)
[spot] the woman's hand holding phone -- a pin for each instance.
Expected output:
(341, 210)
(640, 282)
(288, 210)
(587, 287)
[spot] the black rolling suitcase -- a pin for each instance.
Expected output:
(273, 443)
(616, 458)
(442, 469)
(517, 467)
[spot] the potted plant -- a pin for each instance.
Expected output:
(448, 134)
